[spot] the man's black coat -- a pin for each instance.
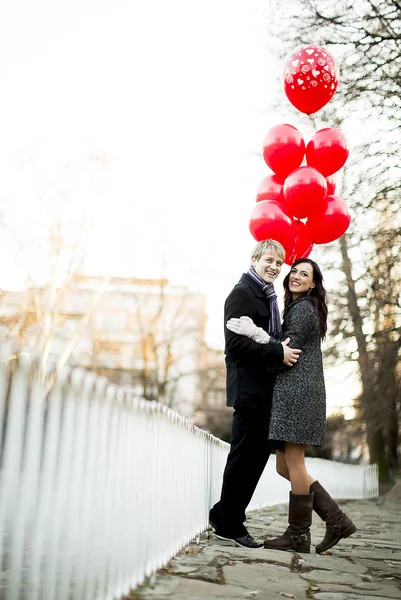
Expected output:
(249, 382)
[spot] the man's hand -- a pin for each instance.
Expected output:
(291, 355)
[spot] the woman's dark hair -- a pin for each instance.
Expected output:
(316, 294)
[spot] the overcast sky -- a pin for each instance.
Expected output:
(147, 117)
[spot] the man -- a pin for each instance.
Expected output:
(250, 389)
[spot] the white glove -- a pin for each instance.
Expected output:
(245, 326)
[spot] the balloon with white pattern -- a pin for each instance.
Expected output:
(310, 78)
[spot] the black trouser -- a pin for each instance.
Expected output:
(249, 453)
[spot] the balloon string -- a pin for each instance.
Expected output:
(309, 123)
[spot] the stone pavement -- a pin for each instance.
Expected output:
(366, 565)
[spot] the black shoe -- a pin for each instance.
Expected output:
(246, 541)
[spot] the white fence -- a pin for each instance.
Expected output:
(98, 489)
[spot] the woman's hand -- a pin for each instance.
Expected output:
(245, 326)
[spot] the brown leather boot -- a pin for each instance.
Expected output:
(338, 525)
(297, 535)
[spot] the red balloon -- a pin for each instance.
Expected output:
(269, 220)
(331, 185)
(283, 149)
(270, 188)
(303, 245)
(310, 78)
(327, 151)
(305, 191)
(330, 224)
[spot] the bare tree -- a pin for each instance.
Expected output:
(368, 34)
(157, 348)
(36, 317)
(366, 326)
(171, 335)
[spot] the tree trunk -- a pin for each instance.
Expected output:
(376, 438)
(377, 451)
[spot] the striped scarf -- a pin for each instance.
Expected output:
(268, 290)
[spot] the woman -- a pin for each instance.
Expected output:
(298, 414)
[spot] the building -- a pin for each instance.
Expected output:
(143, 333)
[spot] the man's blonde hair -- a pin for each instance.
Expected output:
(263, 247)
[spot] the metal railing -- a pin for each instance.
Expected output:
(98, 489)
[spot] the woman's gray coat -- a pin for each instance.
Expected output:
(299, 397)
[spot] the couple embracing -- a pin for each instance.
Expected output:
(275, 384)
